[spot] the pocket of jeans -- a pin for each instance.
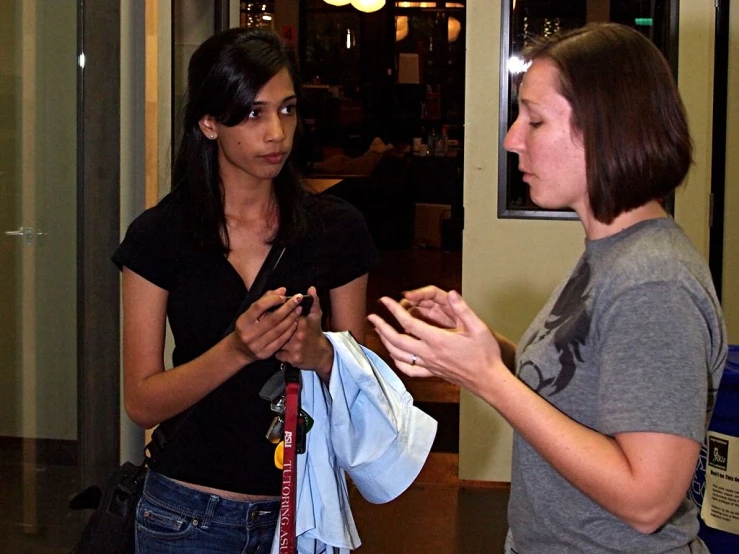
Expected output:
(162, 522)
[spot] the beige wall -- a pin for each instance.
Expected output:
(695, 79)
(731, 226)
(133, 131)
(511, 266)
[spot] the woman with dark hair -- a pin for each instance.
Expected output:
(610, 390)
(236, 206)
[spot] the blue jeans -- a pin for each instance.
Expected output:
(174, 519)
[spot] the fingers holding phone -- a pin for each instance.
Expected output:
(265, 326)
(308, 348)
(303, 301)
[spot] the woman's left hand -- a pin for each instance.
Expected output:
(308, 348)
(465, 355)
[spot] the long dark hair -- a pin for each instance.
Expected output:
(223, 78)
(626, 104)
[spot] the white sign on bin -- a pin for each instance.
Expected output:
(720, 508)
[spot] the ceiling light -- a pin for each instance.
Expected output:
(401, 27)
(454, 27)
(368, 6)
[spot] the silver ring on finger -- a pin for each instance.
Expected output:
(414, 359)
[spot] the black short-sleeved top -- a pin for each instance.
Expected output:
(222, 442)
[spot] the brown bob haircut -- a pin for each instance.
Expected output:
(626, 106)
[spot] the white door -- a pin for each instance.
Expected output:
(38, 329)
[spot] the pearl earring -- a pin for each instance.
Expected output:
(212, 136)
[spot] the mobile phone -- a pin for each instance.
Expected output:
(306, 303)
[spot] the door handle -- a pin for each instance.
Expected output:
(29, 234)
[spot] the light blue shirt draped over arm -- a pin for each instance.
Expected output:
(365, 424)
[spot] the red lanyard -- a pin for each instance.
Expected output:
(289, 468)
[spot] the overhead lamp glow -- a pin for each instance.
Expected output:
(517, 65)
(337, 2)
(368, 6)
(454, 27)
(401, 27)
(431, 4)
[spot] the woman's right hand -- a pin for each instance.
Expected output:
(467, 354)
(153, 394)
(260, 332)
(430, 304)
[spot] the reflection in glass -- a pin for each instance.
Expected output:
(333, 37)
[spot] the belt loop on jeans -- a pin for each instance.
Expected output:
(210, 510)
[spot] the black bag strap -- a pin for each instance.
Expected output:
(259, 284)
(158, 439)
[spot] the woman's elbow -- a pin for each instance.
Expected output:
(138, 414)
(650, 519)
(646, 526)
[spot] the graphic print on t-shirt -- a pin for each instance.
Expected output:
(566, 330)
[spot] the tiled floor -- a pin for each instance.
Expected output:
(434, 518)
(49, 529)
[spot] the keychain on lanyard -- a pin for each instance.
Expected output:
(288, 430)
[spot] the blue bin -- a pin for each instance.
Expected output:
(725, 420)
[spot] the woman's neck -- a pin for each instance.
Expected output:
(255, 208)
(594, 229)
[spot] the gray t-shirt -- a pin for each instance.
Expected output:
(634, 340)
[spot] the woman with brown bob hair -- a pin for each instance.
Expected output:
(627, 107)
(629, 111)
(610, 390)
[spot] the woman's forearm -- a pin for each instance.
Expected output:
(507, 350)
(164, 394)
(638, 477)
